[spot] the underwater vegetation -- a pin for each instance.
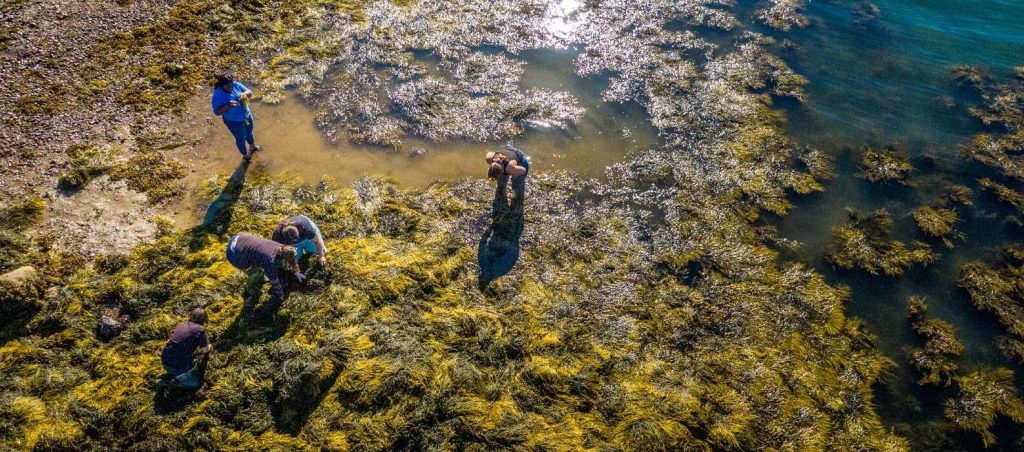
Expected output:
(935, 360)
(938, 219)
(863, 242)
(983, 395)
(1003, 108)
(997, 288)
(884, 165)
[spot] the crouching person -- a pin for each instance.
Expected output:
(302, 233)
(179, 354)
(247, 251)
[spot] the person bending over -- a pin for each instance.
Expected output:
(510, 161)
(179, 354)
(247, 251)
(230, 101)
(302, 233)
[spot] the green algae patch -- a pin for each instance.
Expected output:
(152, 173)
(87, 162)
(15, 220)
(863, 242)
(935, 360)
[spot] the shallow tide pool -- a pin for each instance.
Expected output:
(292, 145)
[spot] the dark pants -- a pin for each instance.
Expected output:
(242, 131)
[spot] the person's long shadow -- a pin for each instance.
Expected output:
(256, 323)
(498, 250)
(218, 215)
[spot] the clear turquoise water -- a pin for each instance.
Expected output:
(887, 81)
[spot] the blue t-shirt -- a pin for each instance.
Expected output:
(239, 113)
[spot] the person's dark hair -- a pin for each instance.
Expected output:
(198, 316)
(225, 78)
(286, 257)
(495, 170)
(290, 232)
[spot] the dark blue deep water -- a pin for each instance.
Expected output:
(884, 79)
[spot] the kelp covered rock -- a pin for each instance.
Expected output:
(985, 394)
(864, 242)
(935, 360)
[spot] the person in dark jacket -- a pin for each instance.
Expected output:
(302, 233)
(510, 161)
(179, 354)
(247, 251)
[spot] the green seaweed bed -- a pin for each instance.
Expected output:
(648, 311)
(595, 340)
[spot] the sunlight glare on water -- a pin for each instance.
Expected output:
(563, 19)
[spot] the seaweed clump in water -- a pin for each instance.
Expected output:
(935, 360)
(864, 242)
(984, 395)
(884, 165)
(1003, 107)
(1006, 195)
(783, 14)
(997, 289)
(940, 217)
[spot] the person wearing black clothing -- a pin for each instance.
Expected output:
(302, 233)
(247, 251)
(510, 161)
(179, 354)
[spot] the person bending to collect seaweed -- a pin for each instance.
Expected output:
(510, 161)
(247, 251)
(179, 354)
(302, 233)
(230, 101)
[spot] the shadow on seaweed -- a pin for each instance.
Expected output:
(290, 413)
(256, 323)
(498, 249)
(218, 215)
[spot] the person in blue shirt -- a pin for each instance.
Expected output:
(231, 102)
